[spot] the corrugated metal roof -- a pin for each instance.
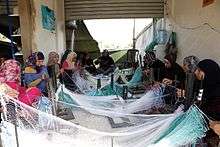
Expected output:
(104, 9)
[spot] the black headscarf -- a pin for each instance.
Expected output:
(211, 86)
(66, 53)
(212, 73)
(171, 58)
(149, 58)
(175, 72)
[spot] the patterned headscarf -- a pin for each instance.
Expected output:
(52, 58)
(31, 61)
(149, 58)
(191, 62)
(10, 71)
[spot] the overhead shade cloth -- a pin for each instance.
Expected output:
(109, 9)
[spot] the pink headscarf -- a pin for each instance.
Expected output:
(30, 96)
(10, 74)
(10, 71)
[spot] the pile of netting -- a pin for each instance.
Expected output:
(92, 126)
(112, 105)
(87, 84)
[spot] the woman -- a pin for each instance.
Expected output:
(192, 85)
(89, 65)
(173, 72)
(53, 60)
(35, 74)
(68, 68)
(53, 68)
(65, 56)
(190, 64)
(10, 71)
(208, 72)
(157, 66)
(10, 83)
(106, 63)
(70, 62)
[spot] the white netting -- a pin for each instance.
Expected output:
(93, 123)
(105, 79)
(113, 105)
(38, 128)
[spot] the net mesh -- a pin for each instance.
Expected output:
(87, 83)
(92, 127)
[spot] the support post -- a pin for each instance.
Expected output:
(125, 92)
(112, 81)
(112, 142)
(189, 89)
(99, 84)
(11, 108)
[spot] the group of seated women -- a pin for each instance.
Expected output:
(36, 77)
(70, 63)
(205, 87)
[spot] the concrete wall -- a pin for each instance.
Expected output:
(200, 41)
(36, 38)
(45, 40)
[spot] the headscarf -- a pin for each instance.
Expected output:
(191, 62)
(31, 96)
(105, 53)
(52, 58)
(171, 58)
(32, 59)
(149, 58)
(65, 56)
(211, 86)
(71, 56)
(212, 72)
(10, 71)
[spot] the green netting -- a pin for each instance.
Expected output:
(186, 128)
(108, 90)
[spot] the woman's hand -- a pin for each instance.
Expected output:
(8, 90)
(215, 126)
(167, 81)
(44, 77)
(180, 93)
(147, 72)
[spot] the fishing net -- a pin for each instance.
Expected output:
(113, 105)
(105, 79)
(95, 130)
(87, 84)
(136, 78)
